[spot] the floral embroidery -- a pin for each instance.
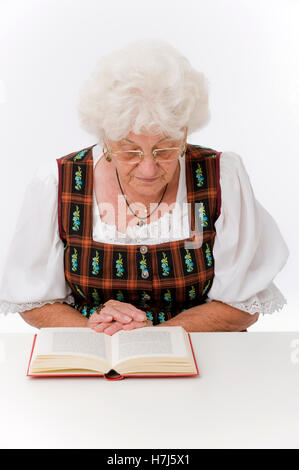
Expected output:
(95, 296)
(84, 311)
(192, 293)
(167, 296)
(164, 264)
(206, 288)
(80, 291)
(119, 266)
(75, 260)
(199, 176)
(188, 261)
(149, 315)
(208, 255)
(161, 316)
(203, 215)
(87, 311)
(143, 265)
(76, 219)
(80, 155)
(95, 264)
(120, 296)
(78, 179)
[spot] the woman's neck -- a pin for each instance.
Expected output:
(134, 196)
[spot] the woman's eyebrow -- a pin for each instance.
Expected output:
(132, 142)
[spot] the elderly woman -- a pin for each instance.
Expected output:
(143, 228)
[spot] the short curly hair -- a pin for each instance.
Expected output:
(147, 87)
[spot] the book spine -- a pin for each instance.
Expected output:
(120, 377)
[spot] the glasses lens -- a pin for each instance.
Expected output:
(162, 155)
(128, 157)
(166, 155)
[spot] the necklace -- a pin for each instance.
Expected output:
(141, 219)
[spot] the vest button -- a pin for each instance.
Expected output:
(145, 274)
(143, 249)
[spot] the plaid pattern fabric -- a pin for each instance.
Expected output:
(163, 279)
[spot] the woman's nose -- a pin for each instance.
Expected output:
(148, 167)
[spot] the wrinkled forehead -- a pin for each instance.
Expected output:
(141, 140)
(146, 140)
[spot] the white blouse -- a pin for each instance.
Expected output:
(248, 249)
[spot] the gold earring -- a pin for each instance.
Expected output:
(106, 155)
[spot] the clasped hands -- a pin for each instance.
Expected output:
(115, 316)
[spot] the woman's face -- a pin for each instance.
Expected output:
(146, 177)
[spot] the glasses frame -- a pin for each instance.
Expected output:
(109, 153)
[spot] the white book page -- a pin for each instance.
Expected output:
(149, 342)
(73, 341)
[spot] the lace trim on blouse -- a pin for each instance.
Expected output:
(8, 307)
(267, 301)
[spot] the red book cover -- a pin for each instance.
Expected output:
(111, 375)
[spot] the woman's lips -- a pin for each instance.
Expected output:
(146, 180)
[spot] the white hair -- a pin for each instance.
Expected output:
(146, 87)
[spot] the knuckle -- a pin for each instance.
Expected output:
(111, 302)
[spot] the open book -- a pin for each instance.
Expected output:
(143, 352)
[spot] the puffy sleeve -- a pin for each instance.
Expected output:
(33, 271)
(249, 249)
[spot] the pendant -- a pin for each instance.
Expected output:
(141, 223)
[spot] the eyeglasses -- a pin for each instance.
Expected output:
(162, 155)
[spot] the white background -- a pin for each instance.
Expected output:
(247, 49)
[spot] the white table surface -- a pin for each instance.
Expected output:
(247, 396)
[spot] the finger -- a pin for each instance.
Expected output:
(126, 309)
(124, 312)
(114, 315)
(137, 314)
(113, 328)
(103, 317)
(94, 321)
(136, 324)
(100, 326)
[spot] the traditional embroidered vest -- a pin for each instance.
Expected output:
(163, 279)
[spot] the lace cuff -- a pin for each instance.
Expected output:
(7, 307)
(267, 301)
